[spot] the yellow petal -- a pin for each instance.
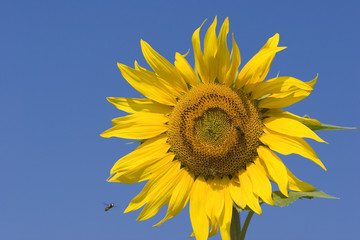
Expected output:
(223, 54)
(284, 91)
(210, 51)
(154, 185)
(246, 189)
(148, 85)
(277, 112)
(151, 150)
(133, 105)
(162, 196)
(279, 85)
(137, 126)
(215, 200)
(140, 172)
(290, 127)
(261, 183)
(163, 67)
(180, 195)
(143, 118)
(272, 42)
(225, 218)
(199, 220)
(287, 145)
(172, 88)
(256, 69)
(235, 192)
(199, 58)
(231, 74)
(298, 185)
(185, 69)
(274, 167)
(218, 206)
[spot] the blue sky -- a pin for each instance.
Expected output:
(58, 65)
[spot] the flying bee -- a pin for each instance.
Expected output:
(109, 206)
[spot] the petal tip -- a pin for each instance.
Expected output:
(321, 165)
(103, 135)
(121, 66)
(128, 210)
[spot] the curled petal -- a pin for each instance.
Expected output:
(258, 67)
(283, 92)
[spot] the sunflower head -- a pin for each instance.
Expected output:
(209, 135)
(214, 131)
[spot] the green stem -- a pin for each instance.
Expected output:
(246, 224)
(235, 228)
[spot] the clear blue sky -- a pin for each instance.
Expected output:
(58, 65)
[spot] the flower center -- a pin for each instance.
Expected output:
(214, 131)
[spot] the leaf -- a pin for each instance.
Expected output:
(283, 201)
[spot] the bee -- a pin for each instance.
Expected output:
(213, 172)
(239, 129)
(109, 206)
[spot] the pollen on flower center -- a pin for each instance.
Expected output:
(214, 131)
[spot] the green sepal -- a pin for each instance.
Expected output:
(140, 141)
(325, 126)
(235, 227)
(111, 176)
(239, 209)
(283, 201)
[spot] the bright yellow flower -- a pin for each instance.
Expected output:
(208, 134)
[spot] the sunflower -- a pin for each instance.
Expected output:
(208, 134)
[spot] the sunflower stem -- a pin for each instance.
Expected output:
(246, 224)
(235, 227)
